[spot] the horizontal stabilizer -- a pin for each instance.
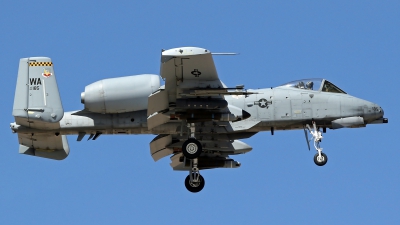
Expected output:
(44, 145)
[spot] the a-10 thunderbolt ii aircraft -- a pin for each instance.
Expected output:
(197, 119)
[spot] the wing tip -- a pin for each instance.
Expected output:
(185, 51)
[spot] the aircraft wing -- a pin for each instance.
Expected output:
(218, 146)
(193, 99)
(188, 63)
(215, 137)
(189, 74)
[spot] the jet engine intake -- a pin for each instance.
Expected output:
(121, 94)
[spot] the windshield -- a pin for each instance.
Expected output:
(329, 87)
(315, 84)
(308, 84)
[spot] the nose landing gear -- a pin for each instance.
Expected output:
(320, 158)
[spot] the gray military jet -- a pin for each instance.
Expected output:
(197, 119)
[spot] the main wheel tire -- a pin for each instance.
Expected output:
(192, 148)
(193, 187)
(320, 161)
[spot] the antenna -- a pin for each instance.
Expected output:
(224, 53)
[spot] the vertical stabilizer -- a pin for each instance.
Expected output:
(37, 104)
(36, 96)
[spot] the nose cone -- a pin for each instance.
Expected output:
(378, 115)
(373, 112)
(378, 111)
(381, 112)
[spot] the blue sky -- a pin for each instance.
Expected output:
(113, 180)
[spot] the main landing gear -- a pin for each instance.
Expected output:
(192, 149)
(194, 182)
(320, 158)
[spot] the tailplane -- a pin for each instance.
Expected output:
(37, 106)
(44, 145)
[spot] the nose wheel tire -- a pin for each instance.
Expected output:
(192, 148)
(194, 186)
(320, 160)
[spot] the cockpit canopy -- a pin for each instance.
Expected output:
(316, 84)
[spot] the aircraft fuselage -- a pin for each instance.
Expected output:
(277, 108)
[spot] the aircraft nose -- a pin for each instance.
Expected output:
(377, 115)
(377, 110)
(372, 111)
(381, 112)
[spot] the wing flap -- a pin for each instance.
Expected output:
(158, 147)
(157, 102)
(156, 120)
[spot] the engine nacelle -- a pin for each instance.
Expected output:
(121, 94)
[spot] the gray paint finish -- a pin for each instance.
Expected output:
(123, 106)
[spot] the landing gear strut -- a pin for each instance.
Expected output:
(191, 148)
(194, 182)
(320, 158)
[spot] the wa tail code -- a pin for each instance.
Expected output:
(35, 81)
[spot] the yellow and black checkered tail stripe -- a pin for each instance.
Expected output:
(40, 64)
